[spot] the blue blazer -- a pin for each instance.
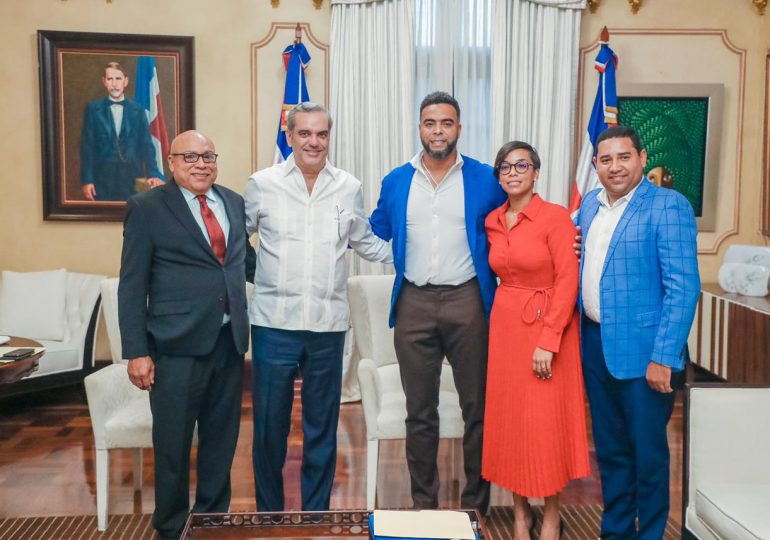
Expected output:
(482, 195)
(650, 284)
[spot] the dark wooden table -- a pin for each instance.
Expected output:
(13, 371)
(296, 525)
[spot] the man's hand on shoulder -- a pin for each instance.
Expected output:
(154, 182)
(659, 377)
(141, 372)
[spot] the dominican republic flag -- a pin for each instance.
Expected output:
(147, 94)
(295, 58)
(603, 115)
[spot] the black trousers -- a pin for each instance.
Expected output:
(189, 389)
(432, 322)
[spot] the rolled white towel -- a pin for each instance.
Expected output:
(746, 279)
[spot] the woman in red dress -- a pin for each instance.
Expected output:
(534, 429)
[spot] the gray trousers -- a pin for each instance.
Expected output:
(432, 322)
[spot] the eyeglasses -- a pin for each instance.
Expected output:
(520, 167)
(193, 157)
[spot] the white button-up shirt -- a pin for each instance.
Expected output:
(117, 114)
(437, 250)
(300, 281)
(596, 245)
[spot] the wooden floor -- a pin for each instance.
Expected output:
(47, 464)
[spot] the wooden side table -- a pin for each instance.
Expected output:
(14, 371)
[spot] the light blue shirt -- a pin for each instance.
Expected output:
(217, 206)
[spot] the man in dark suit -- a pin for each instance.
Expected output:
(115, 146)
(184, 325)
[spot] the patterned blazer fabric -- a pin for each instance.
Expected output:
(650, 283)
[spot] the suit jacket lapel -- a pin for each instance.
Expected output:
(400, 202)
(469, 179)
(178, 206)
(628, 213)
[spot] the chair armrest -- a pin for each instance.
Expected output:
(107, 390)
(371, 395)
(728, 436)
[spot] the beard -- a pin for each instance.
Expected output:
(439, 154)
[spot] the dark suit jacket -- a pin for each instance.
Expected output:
(172, 291)
(114, 163)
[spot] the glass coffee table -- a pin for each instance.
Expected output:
(296, 525)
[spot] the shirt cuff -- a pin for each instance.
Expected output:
(550, 339)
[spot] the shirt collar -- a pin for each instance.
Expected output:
(533, 208)
(189, 195)
(604, 201)
(121, 100)
(530, 211)
(290, 164)
(416, 161)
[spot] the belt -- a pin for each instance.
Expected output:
(432, 287)
(534, 314)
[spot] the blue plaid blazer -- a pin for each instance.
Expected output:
(650, 284)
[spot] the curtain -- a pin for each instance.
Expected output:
(453, 54)
(534, 84)
(371, 101)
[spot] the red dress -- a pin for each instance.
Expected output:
(534, 430)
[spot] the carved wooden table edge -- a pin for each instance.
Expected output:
(331, 524)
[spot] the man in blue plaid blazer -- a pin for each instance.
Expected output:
(639, 287)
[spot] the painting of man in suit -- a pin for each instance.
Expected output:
(116, 149)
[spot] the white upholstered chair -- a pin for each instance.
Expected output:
(382, 396)
(69, 359)
(110, 308)
(726, 467)
(120, 412)
(120, 418)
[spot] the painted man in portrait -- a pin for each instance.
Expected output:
(115, 147)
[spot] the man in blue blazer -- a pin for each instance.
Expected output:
(433, 208)
(639, 286)
(115, 145)
(184, 325)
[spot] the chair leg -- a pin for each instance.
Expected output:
(372, 451)
(102, 488)
(137, 469)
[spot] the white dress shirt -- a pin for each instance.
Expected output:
(300, 281)
(596, 244)
(117, 113)
(437, 250)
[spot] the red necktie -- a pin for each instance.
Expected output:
(216, 235)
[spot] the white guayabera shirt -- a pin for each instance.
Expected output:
(300, 281)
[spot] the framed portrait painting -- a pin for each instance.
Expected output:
(680, 126)
(110, 105)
